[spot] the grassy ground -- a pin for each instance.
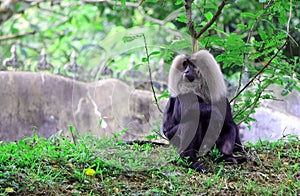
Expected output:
(38, 166)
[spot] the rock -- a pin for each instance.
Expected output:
(274, 118)
(288, 104)
(271, 125)
(48, 103)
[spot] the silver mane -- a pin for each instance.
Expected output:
(209, 84)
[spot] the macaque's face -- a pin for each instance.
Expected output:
(190, 71)
(185, 76)
(198, 73)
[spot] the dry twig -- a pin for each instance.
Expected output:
(7, 37)
(150, 74)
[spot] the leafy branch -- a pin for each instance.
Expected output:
(214, 18)
(272, 58)
(252, 107)
(260, 71)
(190, 23)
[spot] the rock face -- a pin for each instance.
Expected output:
(48, 103)
(275, 118)
(271, 125)
(289, 104)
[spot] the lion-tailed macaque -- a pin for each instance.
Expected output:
(198, 114)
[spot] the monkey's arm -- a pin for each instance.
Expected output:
(171, 118)
(183, 109)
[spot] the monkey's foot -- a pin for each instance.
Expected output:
(200, 167)
(233, 159)
(242, 150)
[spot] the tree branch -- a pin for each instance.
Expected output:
(150, 74)
(162, 23)
(16, 36)
(189, 20)
(169, 18)
(6, 10)
(290, 16)
(128, 4)
(214, 18)
(190, 24)
(195, 36)
(260, 71)
(252, 107)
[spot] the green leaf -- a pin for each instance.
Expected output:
(165, 94)
(71, 128)
(130, 38)
(86, 18)
(220, 30)
(144, 59)
(120, 142)
(179, 2)
(297, 88)
(181, 18)
(14, 30)
(210, 6)
(137, 66)
(263, 35)
(284, 92)
(154, 53)
(100, 122)
(208, 16)
(152, 137)
(123, 3)
(248, 15)
(242, 26)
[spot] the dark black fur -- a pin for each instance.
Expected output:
(183, 111)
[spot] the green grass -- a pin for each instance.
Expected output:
(38, 166)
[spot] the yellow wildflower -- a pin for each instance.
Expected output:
(289, 181)
(116, 190)
(9, 190)
(90, 172)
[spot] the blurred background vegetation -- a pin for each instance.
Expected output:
(250, 39)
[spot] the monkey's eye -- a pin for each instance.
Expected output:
(185, 64)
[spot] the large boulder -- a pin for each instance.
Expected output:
(289, 103)
(46, 103)
(271, 125)
(275, 118)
